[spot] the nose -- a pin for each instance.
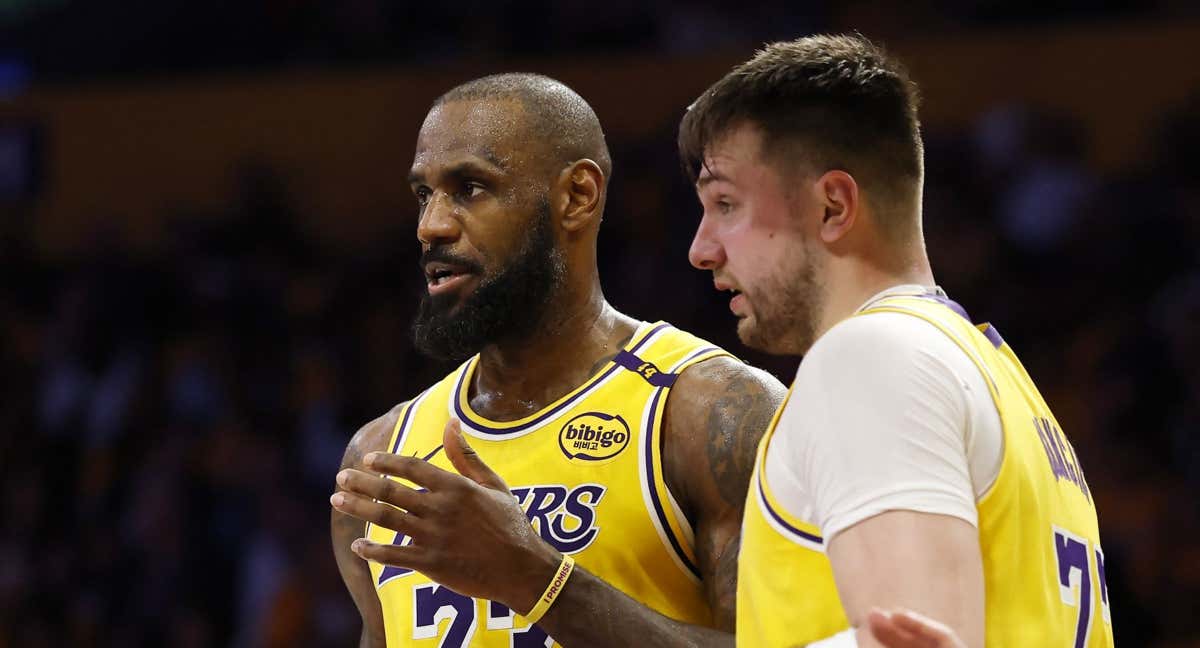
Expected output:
(706, 252)
(438, 223)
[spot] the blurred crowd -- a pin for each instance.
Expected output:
(171, 420)
(73, 39)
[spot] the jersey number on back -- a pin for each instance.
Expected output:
(1073, 554)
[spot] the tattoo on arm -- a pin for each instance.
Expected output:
(718, 555)
(736, 422)
(722, 411)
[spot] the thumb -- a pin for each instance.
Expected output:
(466, 461)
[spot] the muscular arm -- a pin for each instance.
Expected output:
(345, 530)
(716, 413)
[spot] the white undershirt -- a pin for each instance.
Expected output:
(887, 413)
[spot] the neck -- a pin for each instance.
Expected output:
(851, 281)
(579, 332)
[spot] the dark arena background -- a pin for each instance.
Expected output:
(208, 267)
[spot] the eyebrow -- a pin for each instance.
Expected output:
(466, 167)
(704, 180)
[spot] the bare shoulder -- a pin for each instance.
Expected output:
(372, 437)
(716, 413)
(722, 377)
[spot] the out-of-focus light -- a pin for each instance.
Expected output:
(14, 78)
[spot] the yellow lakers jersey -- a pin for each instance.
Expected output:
(1042, 561)
(587, 470)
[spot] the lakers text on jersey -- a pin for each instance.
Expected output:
(587, 469)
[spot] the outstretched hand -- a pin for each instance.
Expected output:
(468, 531)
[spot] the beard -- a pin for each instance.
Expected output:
(785, 308)
(507, 305)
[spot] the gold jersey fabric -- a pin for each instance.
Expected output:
(587, 470)
(1042, 560)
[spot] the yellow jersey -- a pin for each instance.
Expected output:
(588, 471)
(1042, 561)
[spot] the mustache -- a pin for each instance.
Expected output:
(443, 255)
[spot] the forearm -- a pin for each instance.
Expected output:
(590, 612)
(369, 640)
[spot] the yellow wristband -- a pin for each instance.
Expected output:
(553, 590)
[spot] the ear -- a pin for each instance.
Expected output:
(584, 185)
(838, 193)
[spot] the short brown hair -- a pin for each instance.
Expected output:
(842, 99)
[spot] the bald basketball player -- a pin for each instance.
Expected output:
(625, 446)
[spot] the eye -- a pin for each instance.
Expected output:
(422, 194)
(723, 205)
(472, 190)
(716, 202)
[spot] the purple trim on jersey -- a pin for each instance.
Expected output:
(688, 360)
(404, 423)
(389, 572)
(993, 335)
(949, 303)
(649, 335)
(650, 437)
(647, 370)
(988, 330)
(548, 414)
(779, 518)
(432, 453)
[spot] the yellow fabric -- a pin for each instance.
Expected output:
(1037, 526)
(588, 471)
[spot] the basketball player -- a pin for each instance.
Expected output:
(626, 445)
(915, 464)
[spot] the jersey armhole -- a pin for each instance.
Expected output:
(400, 432)
(672, 525)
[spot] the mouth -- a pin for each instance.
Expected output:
(738, 302)
(441, 277)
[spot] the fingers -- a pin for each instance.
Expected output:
(902, 628)
(377, 513)
(383, 489)
(921, 626)
(885, 631)
(418, 471)
(407, 556)
(466, 461)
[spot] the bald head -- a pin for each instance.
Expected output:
(509, 175)
(555, 118)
